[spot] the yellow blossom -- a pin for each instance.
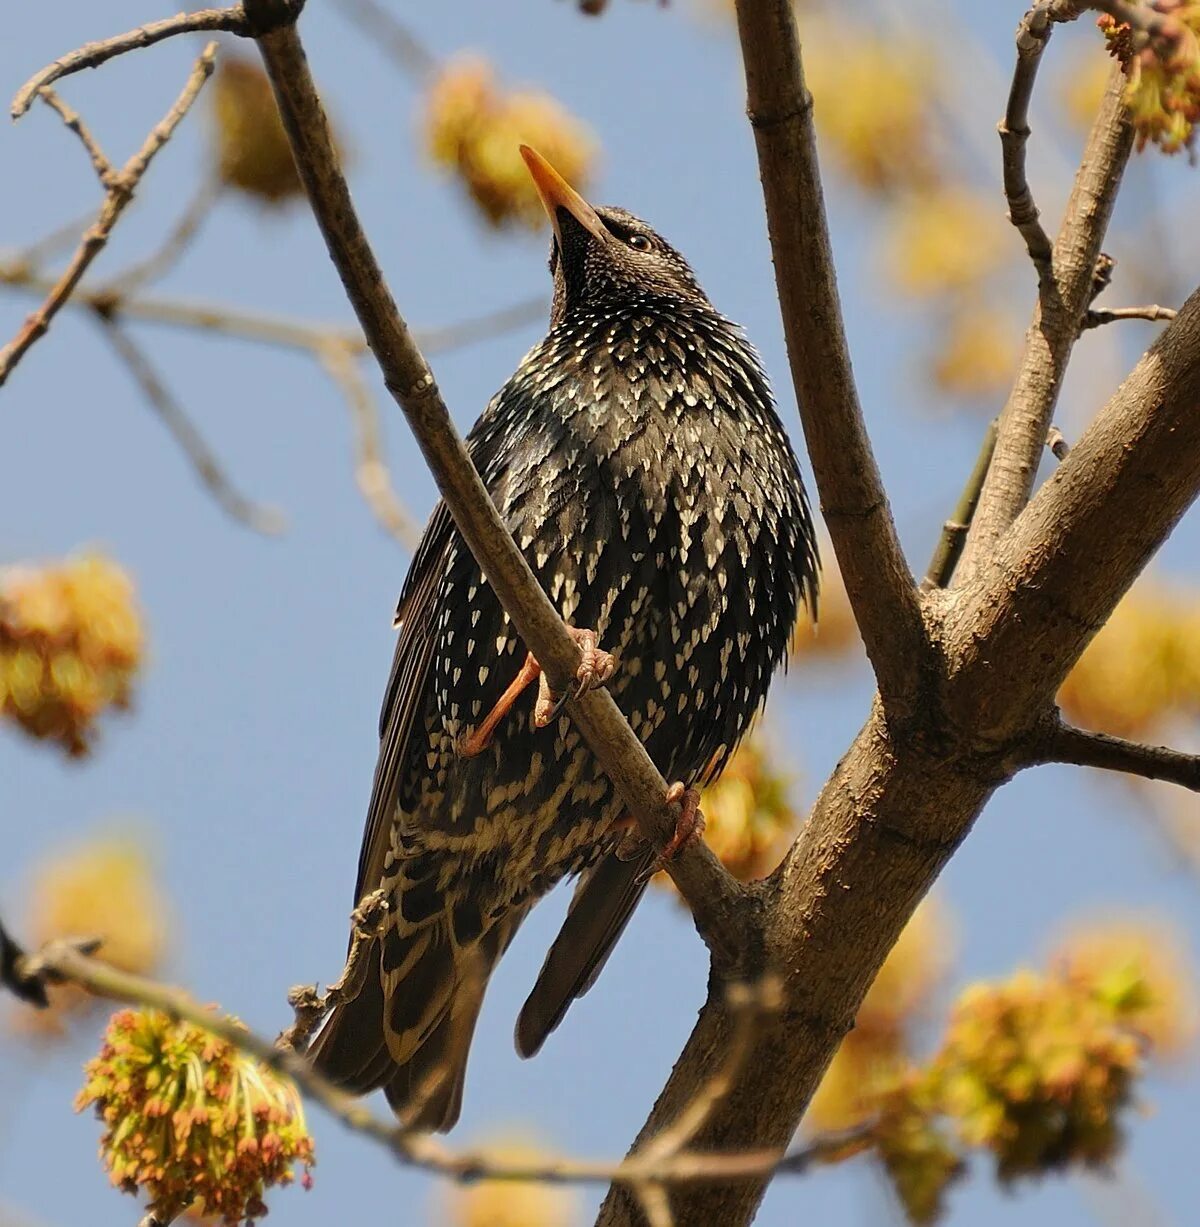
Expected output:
(1163, 90)
(510, 1203)
(943, 239)
(1141, 971)
(101, 887)
(474, 129)
(978, 352)
(250, 147)
(70, 643)
(1143, 668)
(191, 1121)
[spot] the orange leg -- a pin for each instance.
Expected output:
(595, 668)
(688, 826)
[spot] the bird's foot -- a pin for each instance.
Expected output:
(596, 666)
(689, 826)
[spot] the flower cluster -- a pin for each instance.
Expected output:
(191, 1121)
(473, 129)
(101, 887)
(1143, 668)
(1163, 72)
(70, 643)
(250, 147)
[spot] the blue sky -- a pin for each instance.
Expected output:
(249, 753)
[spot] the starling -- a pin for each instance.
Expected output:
(638, 459)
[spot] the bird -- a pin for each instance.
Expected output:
(638, 458)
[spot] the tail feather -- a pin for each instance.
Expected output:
(600, 909)
(410, 1028)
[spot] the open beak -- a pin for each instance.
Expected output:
(557, 194)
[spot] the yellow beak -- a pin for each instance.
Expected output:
(557, 193)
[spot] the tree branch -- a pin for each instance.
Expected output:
(1063, 743)
(1033, 34)
(1099, 316)
(92, 55)
(954, 532)
(121, 186)
(70, 961)
(854, 503)
(1062, 300)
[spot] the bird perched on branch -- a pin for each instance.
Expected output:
(637, 457)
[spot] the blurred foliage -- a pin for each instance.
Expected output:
(1039, 1070)
(71, 641)
(1081, 86)
(191, 1121)
(979, 346)
(250, 148)
(1163, 90)
(834, 635)
(473, 129)
(99, 887)
(509, 1203)
(1143, 668)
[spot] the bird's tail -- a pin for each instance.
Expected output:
(409, 1029)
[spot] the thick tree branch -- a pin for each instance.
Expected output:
(1062, 300)
(904, 796)
(1063, 743)
(121, 186)
(713, 894)
(879, 584)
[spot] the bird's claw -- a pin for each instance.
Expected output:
(689, 826)
(596, 666)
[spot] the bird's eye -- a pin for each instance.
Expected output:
(639, 242)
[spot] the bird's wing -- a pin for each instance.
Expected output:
(402, 701)
(600, 909)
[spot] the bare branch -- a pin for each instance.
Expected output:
(854, 503)
(1033, 34)
(121, 187)
(1062, 300)
(370, 472)
(713, 894)
(1063, 743)
(92, 55)
(954, 532)
(100, 163)
(66, 961)
(266, 520)
(1099, 316)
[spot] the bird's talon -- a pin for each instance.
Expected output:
(689, 826)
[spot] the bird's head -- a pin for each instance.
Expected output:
(604, 255)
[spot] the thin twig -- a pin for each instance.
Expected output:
(1062, 300)
(388, 33)
(160, 262)
(1057, 443)
(28, 259)
(309, 1006)
(880, 586)
(713, 893)
(92, 55)
(266, 520)
(64, 961)
(954, 531)
(100, 163)
(1033, 34)
(370, 472)
(121, 186)
(1063, 743)
(1099, 316)
(267, 328)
